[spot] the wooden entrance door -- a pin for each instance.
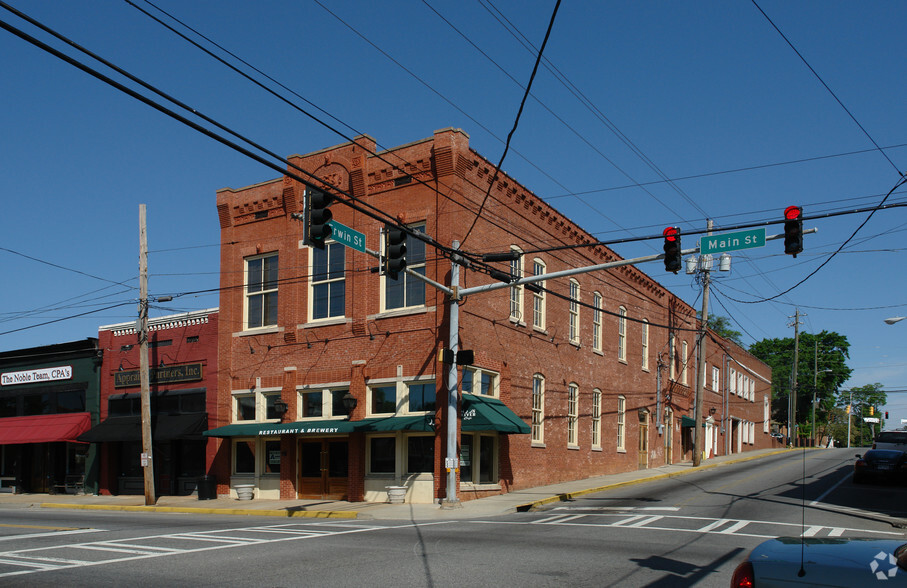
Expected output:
(643, 439)
(323, 469)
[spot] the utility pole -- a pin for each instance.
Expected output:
(700, 369)
(453, 341)
(147, 461)
(849, 415)
(792, 399)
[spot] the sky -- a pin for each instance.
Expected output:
(642, 115)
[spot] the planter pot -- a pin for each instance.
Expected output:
(244, 491)
(396, 494)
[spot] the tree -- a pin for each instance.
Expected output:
(721, 325)
(818, 352)
(864, 397)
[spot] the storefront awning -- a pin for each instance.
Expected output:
(423, 423)
(44, 428)
(164, 427)
(686, 421)
(485, 413)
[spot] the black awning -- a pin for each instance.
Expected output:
(164, 427)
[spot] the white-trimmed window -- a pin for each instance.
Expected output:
(622, 334)
(683, 362)
(741, 391)
(480, 381)
(672, 357)
(538, 408)
(516, 291)
(766, 417)
(621, 423)
(645, 344)
(538, 296)
(401, 397)
(478, 458)
(327, 294)
(596, 321)
(261, 291)
(596, 418)
(317, 402)
(732, 379)
(408, 291)
(256, 456)
(752, 390)
(716, 378)
(574, 312)
(572, 414)
(255, 405)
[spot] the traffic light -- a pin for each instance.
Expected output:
(318, 229)
(886, 415)
(872, 410)
(847, 410)
(394, 251)
(793, 230)
(672, 249)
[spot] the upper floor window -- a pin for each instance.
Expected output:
(328, 294)
(261, 291)
(538, 408)
(317, 403)
(479, 381)
(538, 296)
(596, 321)
(516, 291)
(574, 312)
(716, 378)
(645, 344)
(621, 423)
(408, 291)
(622, 334)
(684, 361)
(413, 397)
(255, 405)
(596, 418)
(672, 356)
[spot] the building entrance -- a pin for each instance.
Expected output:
(323, 469)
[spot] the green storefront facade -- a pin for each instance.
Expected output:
(48, 397)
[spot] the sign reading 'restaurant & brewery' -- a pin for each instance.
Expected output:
(170, 374)
(63, 372)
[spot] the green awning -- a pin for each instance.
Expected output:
(686, 421)
(424, 423)
(485, 413)
(272, 429)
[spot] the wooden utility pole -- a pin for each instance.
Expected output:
(698, 430)
(147, 461)
(792, 400)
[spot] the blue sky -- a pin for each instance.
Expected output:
(707, 94)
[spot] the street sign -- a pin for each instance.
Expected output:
(732, 241)
(347, 236)
(871, 419)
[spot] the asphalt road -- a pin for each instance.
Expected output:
(688, 530)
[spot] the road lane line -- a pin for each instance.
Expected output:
(51, 534)
(836, 532)
(811, 532)
(712, 526)
(829, 491)
(735, 527)
(645, 521)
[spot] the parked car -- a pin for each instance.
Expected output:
(823, 561)
(891, 440)
(880, 464)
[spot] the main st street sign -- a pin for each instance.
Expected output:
(732, 241)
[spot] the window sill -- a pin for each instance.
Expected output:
(573, 447)
(619, 450)
(576, 344)
(537, 444)
(598, 352)
(409, 310)
(540, 330)
(325, 322)
(472, 487)
(517, 322)
(259, 331)
(595, 448)
(645, 369)
(623, 361)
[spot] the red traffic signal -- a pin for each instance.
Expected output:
(793, 230)
(672, 249)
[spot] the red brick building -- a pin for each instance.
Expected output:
(592, 374)
(182, 354)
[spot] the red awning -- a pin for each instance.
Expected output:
(44, 428)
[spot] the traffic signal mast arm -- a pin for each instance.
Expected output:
(587, 269)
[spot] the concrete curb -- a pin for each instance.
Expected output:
(317, 514)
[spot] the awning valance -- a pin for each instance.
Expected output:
(686, 421)
(486, 413)
(326, 427)
(164, 427)
(44, 428)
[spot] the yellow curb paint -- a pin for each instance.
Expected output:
(43, 527)
(321, 514)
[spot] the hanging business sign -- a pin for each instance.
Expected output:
(63, 372)
(190, 372)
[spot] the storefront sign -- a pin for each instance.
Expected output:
(190, 372)
(63, 372)
(298, 430)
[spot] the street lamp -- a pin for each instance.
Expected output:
(894, 319)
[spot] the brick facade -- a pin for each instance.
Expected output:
(442, 183)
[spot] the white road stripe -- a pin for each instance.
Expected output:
(645, 521)
(836, 532)
(627, 521)
(811, 532)
(735, 527)
(50, 534)
(712, 526)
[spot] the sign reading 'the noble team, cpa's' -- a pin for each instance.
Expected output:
(63, 372)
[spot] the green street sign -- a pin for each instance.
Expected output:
(732, 241)
(347, 236)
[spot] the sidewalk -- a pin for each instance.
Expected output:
(517, 501)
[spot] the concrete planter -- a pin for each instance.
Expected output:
(244, 491)
(396, 494)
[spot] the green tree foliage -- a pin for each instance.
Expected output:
(863, 397)
(818, 352)
(722, 326)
